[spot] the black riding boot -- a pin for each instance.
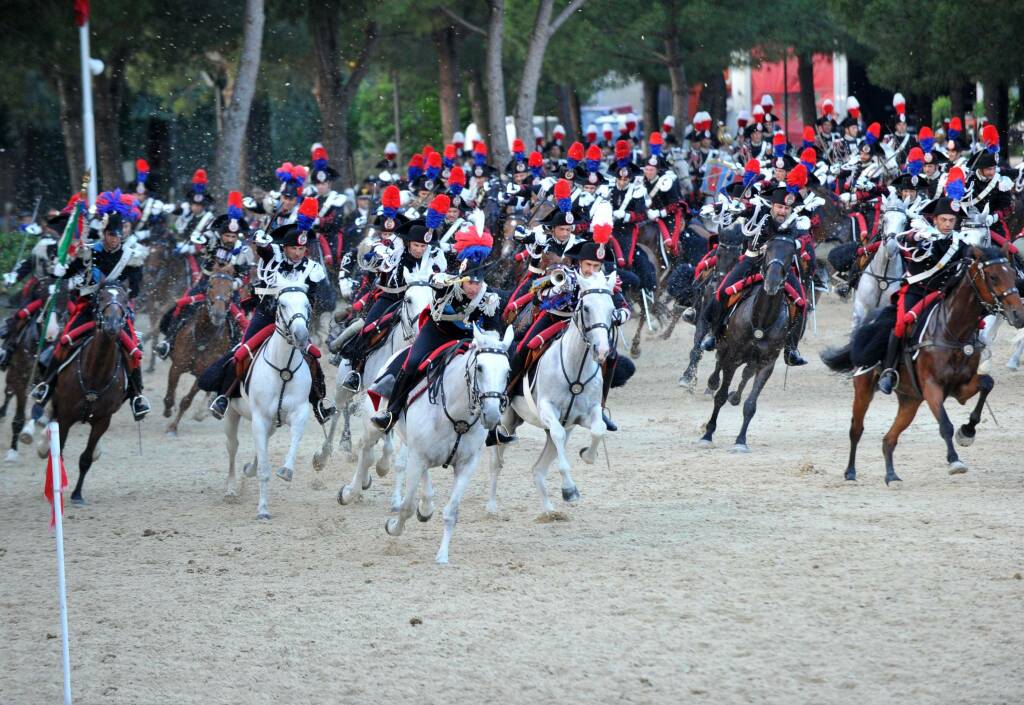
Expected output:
(227, 382)
(140, 405)
(607, 374)
(42, 391)
(318, 392)
(889, 377)
(714, 315)
(792, 355)
(385, 419)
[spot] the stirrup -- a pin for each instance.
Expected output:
(140, 407)
(690, 315)
(323, 413)
(218, 407)
(708, 344)
(358, 382)
(383, 421)
(608, 423)
(890, 375)
(41, 392)
(162, 349)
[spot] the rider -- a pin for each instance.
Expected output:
(782, 222)
(193, 220)
(459, 304)
(282, 262)
(331, 217)
(930, 251)
(105, 262)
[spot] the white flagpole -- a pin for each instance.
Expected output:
(58, 504)
(88, 127)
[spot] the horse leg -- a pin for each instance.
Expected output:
(361, 479)
(7, 400)
(750, 405)
(201, 409)
(231, 419)
(261, 430)
(16, 423)
(463, 473)
(904, 417)
(689, 376)
(720, 396)
(634, 348)
(935, 395)
(387, 454)
(173, 375)
(598, 429)
(341, 399)
(1018, 348)
(980, 383)
(863, 393)
(346, 432)
(296, 426)
(401, 459)
(497, 464)
(186, 401)
(715, 378)
(425, 508)
(676, 314)
(559, 436)
(98, 428)
(737, 394)
(416, 467)
(540, 473)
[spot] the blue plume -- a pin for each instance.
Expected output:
(455, 189)
(915, 167)
(414, 172)
(475, 254)
(656, 150)
(434, 218)
(536, 171)
(234, 213)
(304, 222)
(319, 164)
(432, 172)
(565, 204)
(593, 165)
(779, 150)
(928, 143)
(479, 158)
(955, 190)
(571, 163)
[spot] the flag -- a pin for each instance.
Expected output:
(48, 488)
(70, 230)
(81, 12)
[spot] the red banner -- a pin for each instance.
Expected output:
(81, 12)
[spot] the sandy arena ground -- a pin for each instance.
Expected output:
(683, 575)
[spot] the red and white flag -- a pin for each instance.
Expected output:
(81, 12)
(48, 488)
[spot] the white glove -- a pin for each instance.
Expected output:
(249, 202)
(167, 207)
(512, 189)
(547, 183)
(803, 223)
(10, 278)
(361, 221)
(1005, 184)
(846, 197)
(236, 284)
(991, 219)
(198, 239)
(619, 215)
(261, 237)
(654, 214)
(585, 199)
(141, 235)
(59, 270)
(184, 206)
(33, 229)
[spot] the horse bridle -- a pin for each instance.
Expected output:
(407, 330)
(579, 315)
(476, 399)
(101, 311)
(766, 265)
(304, 315)
(996, 309)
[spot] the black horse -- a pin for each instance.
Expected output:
(752, 338)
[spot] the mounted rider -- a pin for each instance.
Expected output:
(987, 191)
(151, 223)
(330, 244)
(107, 262)
(460, 303)
(194, 217)
(282, 263)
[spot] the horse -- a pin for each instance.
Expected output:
(164, 279)
(417, 297)
(754, 334)
(567, 386)
(882, 277)
(276, 391)
(199, 345)
(28, 326)
(942, 363)
(447, 425)
(730, 246)
(92, 381)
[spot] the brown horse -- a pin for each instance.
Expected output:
(944, 361)
(199, 345)
(25, 339)
(165, 278)
(91, 388)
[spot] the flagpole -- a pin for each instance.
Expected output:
(88, 127)
(58, 510)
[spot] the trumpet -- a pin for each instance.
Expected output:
(557, 278)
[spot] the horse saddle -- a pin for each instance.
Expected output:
(752, 284)
(431, 368)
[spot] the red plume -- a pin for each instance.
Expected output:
(449, 151)
(915, 155)
(428, 150)
(955, 174)
(320, 153)
(141, 165)
(594, 153)
(517, 145)
(827, 108)
(622, 149)
(607, 132)
(875, 129)
(434, 160)
(576, 151)
(392, 197)
(797, 176)
(309, 208)
(809, 155)
(925, 133)
(753, 166)
(471, 236)
(235, 200)
(956, 124)
(479, 147)
(416, 161)
(199, 177)
(536, 159)
(808, 134)
(778, 138)
(457, 176)
(655, 138)
(602, 232)
(441, 203)
(990, 135)
(563, 189)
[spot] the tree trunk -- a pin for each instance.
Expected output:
(958, 97)
(228, 169)
(70, 99)
(107, 93)
(532, 68)
(805, 74)
(997, 107)
(575, 114)
(477, 106)
(922, 110)
(676, 72)
(497, 138)
(651, 123)
(562, 104)
(448, 80)
(334, 96)
(715, 102)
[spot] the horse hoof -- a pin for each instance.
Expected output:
(249, 470)
(77, 501)
(957, 467)
(441, 560)
(850, 475)
(381, 472)
(346, 445)
(734, 398)
(231, 497)
(368, 484)
(43, 450)
(168, 412)
(284, 473)
(893, 481)
(424, 518)
(390, 527)
(705, 443)
(25, 438)
(1012, 366)
(344, 496)
(740, 448)
(171, 433)
(962, 438)
(11, 456)
(570, 494)
(318, 464)
(263, 516)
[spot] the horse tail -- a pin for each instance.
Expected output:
(838, 359)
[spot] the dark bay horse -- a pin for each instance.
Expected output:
(753, 336)
(201, 342)
(25, 338)
(165, 278)
(942, 364)
(91, 388)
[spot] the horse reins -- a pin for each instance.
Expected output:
(576, 388)
(286, 373)
(476, 398)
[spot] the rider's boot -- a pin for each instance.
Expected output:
(690, 315)
(318, 393)
(140, 405)
(889, 378)
(41, 392)
(715, 315)
(607, 374)
(384, 420)
(792, 355)
(228, 382)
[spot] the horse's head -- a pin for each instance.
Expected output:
(595, 311)
(293, 314)
(995, 281)
(418, 296)
(218, 294)
(489, 374)
(778, 258)
(111, 302)
(894, 219)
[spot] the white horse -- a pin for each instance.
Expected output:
(883, 275)
(276, 392)
(566, 390)
(975, 231)
(418, 295)
(447, 425)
